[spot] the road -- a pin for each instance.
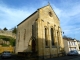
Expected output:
(76, 58)
(14, 57)
(66, 58)
(59, 58)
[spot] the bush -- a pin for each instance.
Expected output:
(8, 38)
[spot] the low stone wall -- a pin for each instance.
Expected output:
(7, 33)
(10, 48)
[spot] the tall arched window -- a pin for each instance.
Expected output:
(58, 37)
(24, 34)
(18, 38)
(52, 36)
(46, 40)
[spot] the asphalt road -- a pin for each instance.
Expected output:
(65, 58)
(58, 58)
(14, 57)
(76, 58)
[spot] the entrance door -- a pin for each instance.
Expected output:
(33, 46)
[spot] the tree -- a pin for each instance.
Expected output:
(67, 37)
(0, 29)
(5, 29)
(8, 38)
(14, 30)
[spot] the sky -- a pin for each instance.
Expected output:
(12, 12)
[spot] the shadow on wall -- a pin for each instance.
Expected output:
(31, 48)
(31, 45)
(27, 46)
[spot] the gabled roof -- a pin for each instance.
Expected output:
(37, 11)
(27, 17)
(51, 8)
(71, 39)
(53, 11)
(30, 15)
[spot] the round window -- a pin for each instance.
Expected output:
(50, 14)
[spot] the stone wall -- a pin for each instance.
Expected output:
(49, 21)
(4, 42)
(10, 48)
(24, 34)
(7, 33)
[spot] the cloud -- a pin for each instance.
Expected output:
(10, 17)
(69, 18)
(57, 10)
(67, 11)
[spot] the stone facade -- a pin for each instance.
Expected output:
(7, 33)
(9, 48)
(78, 44)
(4, 42)
(41, 33)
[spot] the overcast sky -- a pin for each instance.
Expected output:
(12, 12)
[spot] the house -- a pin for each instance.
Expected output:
(70, 44)
(78, 41)
(40, 33)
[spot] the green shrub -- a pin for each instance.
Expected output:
(8, 38)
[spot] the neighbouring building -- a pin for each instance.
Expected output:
(70, 44)
(78, 44)
(40, 33)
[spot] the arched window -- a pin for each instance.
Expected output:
(18, 38)
(58, 37)
(52, 36)
(24, 34)
(46, 40)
